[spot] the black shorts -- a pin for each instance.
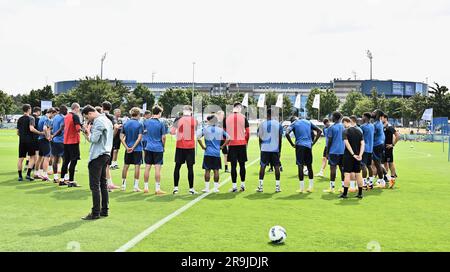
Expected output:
(116, 143)
(27, 149)
(351, 165)
(57, 149)
(44, 148)
(225, 148)
(237, 153)
(270, 158)
(325, 155)
(133, 158)
(183, 156)
(72, 152)
(388, 155)
(212, 163)
(378, 153)
(110, 157)
(334, 160)
(154, 158)
(303, 155)
(367, 159)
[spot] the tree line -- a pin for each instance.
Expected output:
(94, 91)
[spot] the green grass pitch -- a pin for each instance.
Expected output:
(414, 216)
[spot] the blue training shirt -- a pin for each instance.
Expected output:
(335, 132)
(213, 138)
(270, 133)
(302, 131)
(368, 133)
(43, 121)
(154, 132)
(58, 121)
(325, 133)
(379, 137)
(132, 128)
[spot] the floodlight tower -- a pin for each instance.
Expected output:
(370, 56)
(101, 69)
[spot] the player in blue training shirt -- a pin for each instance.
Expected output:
(368, 133)
(326, 123)
(57, 140)
(44, 144)
(303, 131)
(378, 148)
(335, 149)
(131, 137)
(270, 134)
(155, 132)
(215, 140)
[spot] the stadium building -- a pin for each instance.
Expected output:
(389, 88)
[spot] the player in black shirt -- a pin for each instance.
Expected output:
(391, 139)
(116, 139)
(354, 150)
(27, 132)
(106, 108)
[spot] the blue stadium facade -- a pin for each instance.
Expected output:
(389, 88)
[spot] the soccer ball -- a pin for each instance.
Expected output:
(277, 235)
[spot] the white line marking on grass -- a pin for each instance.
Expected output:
(141, 236)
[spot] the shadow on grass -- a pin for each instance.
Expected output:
(296, 196)
(26, 185)
(128, 197)
(330, 196)
(54, 230)
(170, 197)
(9, 174)
(257, 196)
(42, 191)
(163, 198)
(222, 196)
(351, 201)
(275, 245)
(72, 194)
(11, 182)
(374, 192)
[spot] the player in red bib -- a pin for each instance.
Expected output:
(184, 129)
(238, 128)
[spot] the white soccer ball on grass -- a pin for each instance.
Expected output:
(277, 235)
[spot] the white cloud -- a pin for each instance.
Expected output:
(235, 40)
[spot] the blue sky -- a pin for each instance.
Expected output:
(46, 41)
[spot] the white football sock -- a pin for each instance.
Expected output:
(277, 183)
(55, 176)
(146, 185)
(175, 188)
(234, 185)
(311, 183)
(136, 183)
(302, 185)
(207, 185)
(66, 177)
(242, 183)
(158, 186)
(261, 183)
(332, 184)
(216, 185)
